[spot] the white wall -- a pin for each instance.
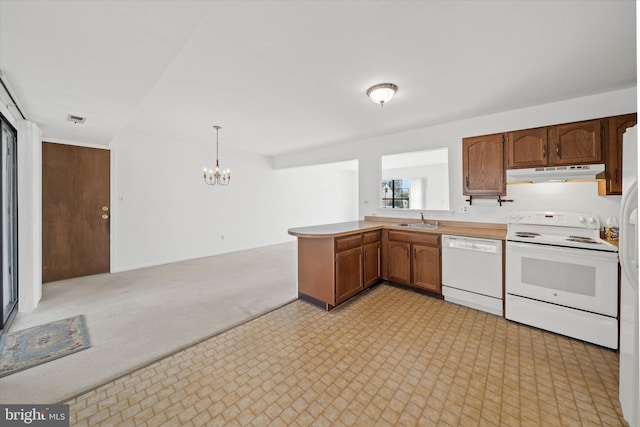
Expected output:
(163, 212)
(29, 215)
(321, 194)
(569, 196)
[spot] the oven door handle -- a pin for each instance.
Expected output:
(545, 250)
(528, 246)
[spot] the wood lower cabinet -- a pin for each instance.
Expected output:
(399, 262)
(426, 268)
(332, 270)
(371, 263)
(414, 259)
(348, 274)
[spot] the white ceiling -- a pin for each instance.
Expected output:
(282, 76)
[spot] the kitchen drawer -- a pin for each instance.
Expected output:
(348, 242)
(370, 237)
(421, 238)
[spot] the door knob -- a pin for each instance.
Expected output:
(105, 216)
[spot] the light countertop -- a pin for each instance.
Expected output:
(456, 228)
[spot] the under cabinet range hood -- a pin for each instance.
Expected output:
(556, 174)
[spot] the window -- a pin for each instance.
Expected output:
(395, 193)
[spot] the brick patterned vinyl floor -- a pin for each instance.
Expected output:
(388, 357)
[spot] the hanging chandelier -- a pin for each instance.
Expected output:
(215, 177)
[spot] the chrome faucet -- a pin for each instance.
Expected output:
(422, 216)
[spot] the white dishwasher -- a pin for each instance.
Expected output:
(472, 272)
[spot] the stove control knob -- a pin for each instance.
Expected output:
(581, 219)
(591, 220)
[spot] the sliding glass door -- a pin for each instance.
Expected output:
(9, 230)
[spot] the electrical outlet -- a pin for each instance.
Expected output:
(464, 209)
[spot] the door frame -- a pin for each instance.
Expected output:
(5, 323)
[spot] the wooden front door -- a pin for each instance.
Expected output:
(75, 211)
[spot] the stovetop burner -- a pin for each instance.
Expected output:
(562, 229)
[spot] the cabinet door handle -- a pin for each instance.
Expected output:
(544, 151)
(558, 149)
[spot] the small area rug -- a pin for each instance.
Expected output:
(24, 349)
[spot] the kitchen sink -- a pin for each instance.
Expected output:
(420, 225)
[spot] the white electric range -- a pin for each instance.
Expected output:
(561, 276)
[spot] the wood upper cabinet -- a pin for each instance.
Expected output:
(614, 129)
(483, 165)
(526, 148)
(575, 143)
(414, 259)
(567, 144)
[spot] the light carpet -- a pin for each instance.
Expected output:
(140, 316)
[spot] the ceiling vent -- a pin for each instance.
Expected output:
(76, 119)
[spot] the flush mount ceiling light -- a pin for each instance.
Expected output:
(215, 177)
(382, 92)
